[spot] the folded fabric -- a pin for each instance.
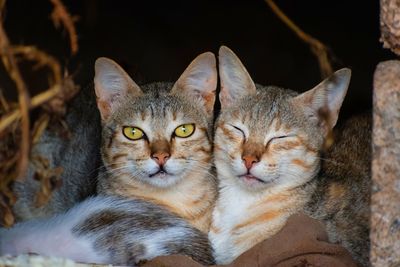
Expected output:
(302, 242)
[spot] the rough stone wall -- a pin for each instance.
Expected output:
(385, 202)
(390, 24)
(385, 199)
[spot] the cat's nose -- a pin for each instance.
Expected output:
(249, 160)
(160, 157)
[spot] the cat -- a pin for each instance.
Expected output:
(156, 151)
(268, 155)
(78, 155)
(155, 144)
(108, 230)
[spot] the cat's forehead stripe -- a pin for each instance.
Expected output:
(277, 122)
(151, 110)
(167, 107)
(143, 115)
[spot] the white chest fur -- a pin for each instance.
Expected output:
(232, 207)
(241, 218)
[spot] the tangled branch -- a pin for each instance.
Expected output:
(9, 62)
(15, 123)
(320, 50)
(60, 16)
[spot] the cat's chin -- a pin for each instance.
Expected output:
(159, 174)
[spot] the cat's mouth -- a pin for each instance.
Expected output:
(250, 178)
(159, 174)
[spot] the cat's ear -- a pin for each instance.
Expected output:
(323, 102)
(200, 80)
(111, 84)
(235, 80)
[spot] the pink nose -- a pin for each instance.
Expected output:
(249, 160)
(160, 157)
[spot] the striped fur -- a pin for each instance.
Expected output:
(268, 143)
(108, 230)
(184, 184)
(154, 207)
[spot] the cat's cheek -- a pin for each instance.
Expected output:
(222, 146)
(174, 167)
(302, 160)
(298, 170)
(234, 151)
(238, 166)
(265, 173)
(306, 166)
(270, 160)
(227, 155)
(150, 166)
(225, 171)
(222, 155)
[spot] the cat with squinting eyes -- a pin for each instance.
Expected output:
(156, 189)
(268, 154)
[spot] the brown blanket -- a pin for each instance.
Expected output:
(303, 242)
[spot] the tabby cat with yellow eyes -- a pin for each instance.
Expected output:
(156, 142)
(156, 188)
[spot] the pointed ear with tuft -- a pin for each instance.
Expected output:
(111, 84)
(323, 102)
(199, 80)
(235, 80)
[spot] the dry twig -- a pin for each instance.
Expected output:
(59, 16)
(3, 102)
(23, 98)
(41, 58)
(320, 50)
(6, 213)
(14, 120)
(39, 127)
(56, 104)
(36, 101)
(55, 97)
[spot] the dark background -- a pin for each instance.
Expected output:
(156, 40)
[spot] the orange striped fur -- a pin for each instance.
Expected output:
(192, 199)
(267, 144)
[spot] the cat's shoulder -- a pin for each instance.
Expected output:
(344, 178)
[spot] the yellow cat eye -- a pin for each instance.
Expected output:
(184, 130)
(132, 133)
